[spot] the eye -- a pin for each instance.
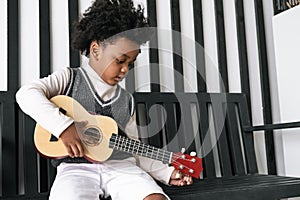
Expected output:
(120, 61)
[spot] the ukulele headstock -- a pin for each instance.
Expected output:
(187, 164)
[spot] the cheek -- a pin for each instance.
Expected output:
(108, 65)
(110, 71)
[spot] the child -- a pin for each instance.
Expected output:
(101, 36)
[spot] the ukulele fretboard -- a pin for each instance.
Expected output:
(125, 144)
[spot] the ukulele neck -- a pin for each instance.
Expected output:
(128, 145)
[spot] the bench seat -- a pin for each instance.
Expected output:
(251, 187)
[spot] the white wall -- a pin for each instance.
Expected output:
(287, 48)
(29, 41)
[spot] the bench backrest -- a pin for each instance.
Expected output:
(23, 171)
(210, 124)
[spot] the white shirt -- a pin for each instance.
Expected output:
(33, 99)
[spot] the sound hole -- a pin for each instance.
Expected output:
(92, 136)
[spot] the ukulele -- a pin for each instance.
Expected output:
(99, 136)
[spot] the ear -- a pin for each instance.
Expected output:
(95, 49)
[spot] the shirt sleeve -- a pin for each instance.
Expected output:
(158, 170)
(33, 99)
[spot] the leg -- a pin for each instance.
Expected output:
(126, 181)
(76, 182)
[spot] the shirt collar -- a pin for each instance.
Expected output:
(97, 80)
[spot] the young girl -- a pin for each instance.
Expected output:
(102, 35)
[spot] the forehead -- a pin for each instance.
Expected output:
(123, 46)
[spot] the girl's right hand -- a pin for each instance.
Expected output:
(72, 141)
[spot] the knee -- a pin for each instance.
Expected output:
(155, 197)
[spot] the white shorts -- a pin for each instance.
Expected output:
(120, 179)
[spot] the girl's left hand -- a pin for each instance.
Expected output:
(180, 179)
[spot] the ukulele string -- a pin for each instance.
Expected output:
(160, 153)
(137, 147)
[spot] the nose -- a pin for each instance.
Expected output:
(124, 68)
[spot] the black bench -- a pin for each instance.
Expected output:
(196, 122)
(217, 126)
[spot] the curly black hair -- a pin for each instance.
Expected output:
(107, 20)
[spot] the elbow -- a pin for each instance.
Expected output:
(19, 95)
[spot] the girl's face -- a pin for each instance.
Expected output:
(112, 62)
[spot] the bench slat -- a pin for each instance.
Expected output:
(235, 141)
(258, 187)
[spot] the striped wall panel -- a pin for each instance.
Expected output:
(199, 46)
(3, 45)
(264, 71)
(8, 111)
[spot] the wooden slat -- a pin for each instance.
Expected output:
(179, 133)
(177, 48)
(9, 144)
(9, 140)
(221, 136)
(154, 137)
(206, 148)
(73, 16)
(1, 141)
(199, 39)
(171, 127)
(247, 138)
(141, 121)
(265, 84)
(238, 187)
(221, 43)
(41, 164)
(13, 45)
(51, 174)
(153, 55)
(234, 140)
(45, 57)
(187, 127)
(242, 45)
(29, 156)
(274, 126)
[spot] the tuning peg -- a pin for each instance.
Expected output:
(193, 153)
(182, 150)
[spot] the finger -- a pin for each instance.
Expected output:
(75, 150)
(178, 175)
(70, 151)
(188, 180)
(81, 150)
(176, 182)
(182, 182)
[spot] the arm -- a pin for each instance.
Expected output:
(33, 99)
(159, 171)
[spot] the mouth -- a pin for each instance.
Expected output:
(119, 78)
